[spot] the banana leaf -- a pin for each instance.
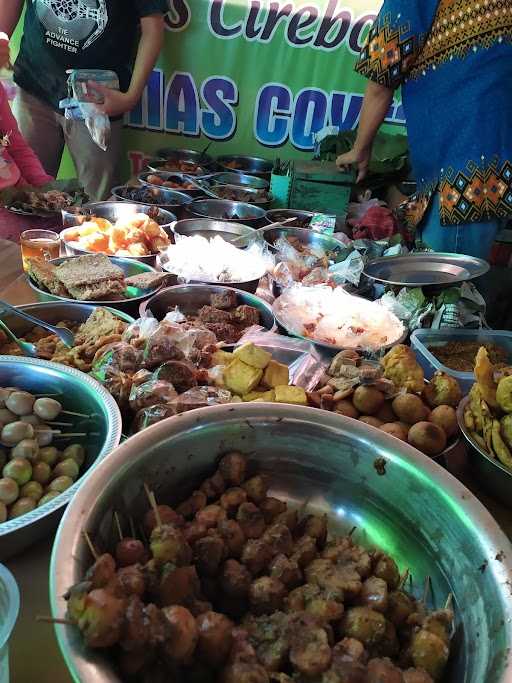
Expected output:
(19, 200)
(390, 153)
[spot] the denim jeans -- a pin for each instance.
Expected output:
(473, 239)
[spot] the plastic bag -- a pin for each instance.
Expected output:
(349, 270)
(181, 374)
(117, 357)
(84, 103)
(176, 341)
(305, 364)
(151, 392)
(139, 331)
(151, 415)
(201, 397)
(175, 316)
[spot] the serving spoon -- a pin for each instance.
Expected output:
(26, 348)
(66, 336)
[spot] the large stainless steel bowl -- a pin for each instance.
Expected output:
(113, 211)
(249, 165)
(416, 511)
(241, 180)
(165, 198)
(244, 194)
(225, 210)
(130, 304)
(190, 298)
(310, 238)
(79, 393)
(209, 228)
(494, 477)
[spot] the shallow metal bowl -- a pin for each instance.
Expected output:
(494, 477)
(225, 210)
(245, 285)
(307, 237)
(78, 393)
(303, 217)
(241, 180)
(186, 154)
(54, 313)
(245, 164)
(113, 211)
(190, 298)
(209, 228)
(178, 178)
(330, 349)
(129, 305)
(170, 200)
(245, 194)
(162, 162)
(416, 511)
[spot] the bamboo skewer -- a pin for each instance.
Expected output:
(93, 550)
(54, 620)
(118, 525)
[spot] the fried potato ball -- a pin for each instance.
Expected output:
(427, 438)
(409, 408)
(371, 420)
(446, 418)
(346, 408)
(367, 400)
(395, 429)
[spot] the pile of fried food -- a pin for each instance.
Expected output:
(52, 200)
(233, 586)
(92, 337)
(133, 235)
(181, 166)
(393, 397)
(173, 182)
(488, 415)
(34, 472)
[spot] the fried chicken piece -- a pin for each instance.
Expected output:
(235, 579)
(310, 652)
(266, 595)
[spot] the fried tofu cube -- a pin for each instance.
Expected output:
(254, 356)
(222, 358)
(287, 394)
(276, 374)
(241, 378)
(260, 395)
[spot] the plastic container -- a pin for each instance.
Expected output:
(9, 609)
(421, 340)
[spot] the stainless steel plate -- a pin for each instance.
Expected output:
(244, 164)
(427, 269)
(416, 511)
(494, 477)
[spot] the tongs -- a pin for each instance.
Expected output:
(65, 335)
(241, 241)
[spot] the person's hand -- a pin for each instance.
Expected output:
(115, 103)
(356, 157)
(5, 53)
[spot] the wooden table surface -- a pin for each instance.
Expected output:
(34, 653)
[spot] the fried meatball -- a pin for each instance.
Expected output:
(232, 499)
(251, 520)
(310, 653)
(194, 531)
(210, 516)
(304, 551)
(215, 638)
(234, 538)
(374, 594)
(288, 517)
(214, 486)
(271, 508)
(190, 507)
(279, 538)
(364, 624)
(349, 650)
(266, 595)
(235, 579)
(343, 581)
(400, 607)
(209, 552)
(166, 515)
(244, 672)
(285, 570)
(233, 467)
(256, 488)
(179, 586)
(183, 633)
(316, 527)
(387, 570)
(383, 671)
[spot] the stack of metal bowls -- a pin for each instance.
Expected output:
(78, 393)
(326, 463)
(225, 210)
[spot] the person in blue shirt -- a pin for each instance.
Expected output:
(453, 62)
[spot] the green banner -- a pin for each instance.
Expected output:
(252, 77)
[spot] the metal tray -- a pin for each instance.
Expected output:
(427, 269)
